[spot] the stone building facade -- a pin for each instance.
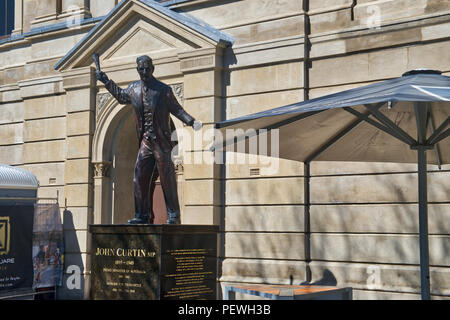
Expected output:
(227, 58)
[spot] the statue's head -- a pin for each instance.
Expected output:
(145, 67)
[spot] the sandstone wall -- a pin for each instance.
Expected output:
(363, 217)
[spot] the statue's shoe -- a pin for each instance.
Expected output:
(173, 218)
(136, 220)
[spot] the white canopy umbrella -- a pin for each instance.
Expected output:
(396, 120)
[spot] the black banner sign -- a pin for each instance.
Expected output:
(16, 229)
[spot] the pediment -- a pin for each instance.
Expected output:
(139, 41)
(141, 38)
(137, 27)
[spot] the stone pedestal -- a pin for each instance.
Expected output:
(153, 262)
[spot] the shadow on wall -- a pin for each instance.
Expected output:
(371, 244)
(73, 285)
(228, 60)
(328, 279)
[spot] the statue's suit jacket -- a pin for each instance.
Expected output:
(163, 104)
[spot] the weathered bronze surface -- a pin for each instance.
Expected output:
(153, 102)
(153, 262)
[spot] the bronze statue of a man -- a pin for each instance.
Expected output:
(153, 102)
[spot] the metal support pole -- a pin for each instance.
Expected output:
(390, 124)
(423, 223)
(436, 147)
(421, 111)
(307, 224)
(306, 51)
(378, 125)
(438, 132)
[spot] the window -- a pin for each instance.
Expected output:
(6, 17)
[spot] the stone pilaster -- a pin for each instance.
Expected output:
(18, 17)
(46, 12)
(101, 182)
(74, 9)
(203, 99)
(79, 85)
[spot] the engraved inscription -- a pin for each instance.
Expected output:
(134, 265)
(198, 62)
(121, 272)
(191, 275)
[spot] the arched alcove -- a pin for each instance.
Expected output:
(123, 152)
(111, 117)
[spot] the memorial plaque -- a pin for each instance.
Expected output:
(153, 262)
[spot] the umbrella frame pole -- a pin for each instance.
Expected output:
(307, 219)
(423, 223)
(421, 112)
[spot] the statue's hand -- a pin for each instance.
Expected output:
(101, 76)
(197, 125)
